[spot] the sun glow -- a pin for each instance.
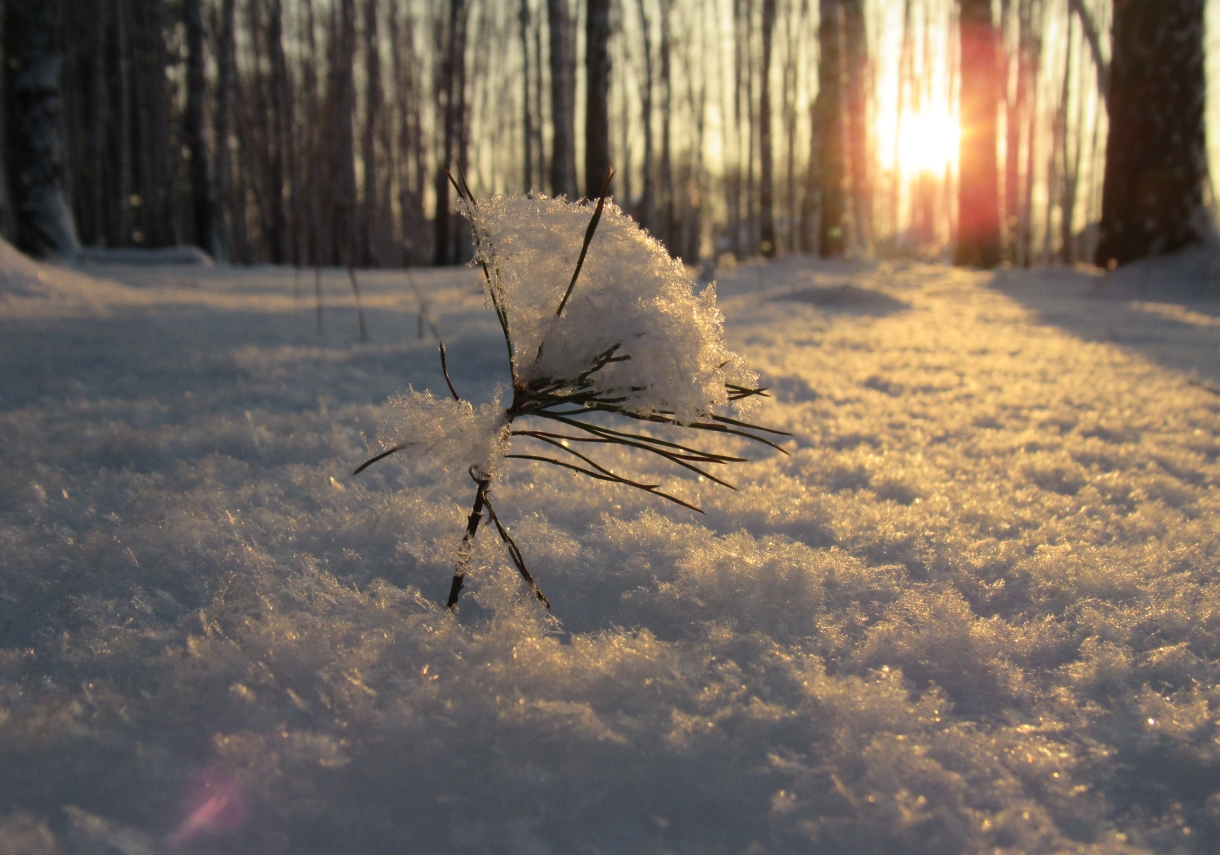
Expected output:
(927, 143)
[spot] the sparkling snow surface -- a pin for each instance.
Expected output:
(976, 610)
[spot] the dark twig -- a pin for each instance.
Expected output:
(1203, 385)
(580, 262)
(317, 294)
(364, 330)
(514, 552)
(382, 456)
(445, 371)
(467, 547)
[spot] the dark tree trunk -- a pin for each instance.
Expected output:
(451, 102)
(668, 227)
(859, 136)
(33, 55)
(1156, 160)
(224, 107)
(978, 232)
(99, 123)
(281, 141)
(648, 206)
(829, 111)
(372, 116)
(192, 128)
(527, 114)
(563, 95)
(766, 162)
(597, 103)
(342, 141)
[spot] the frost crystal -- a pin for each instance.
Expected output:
(630, 295)
(452, 434)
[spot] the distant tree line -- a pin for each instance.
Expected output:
(317, 132)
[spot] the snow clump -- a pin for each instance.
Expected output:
(452, 434)
(630, 295)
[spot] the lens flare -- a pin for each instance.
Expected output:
(214, 805)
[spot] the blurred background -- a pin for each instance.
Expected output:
(315, 132)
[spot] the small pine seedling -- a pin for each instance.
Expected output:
(633, 341)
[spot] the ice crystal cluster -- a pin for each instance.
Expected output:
(450, 434)
(630, 295)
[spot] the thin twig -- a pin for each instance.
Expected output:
(317, 293)
(615, 480)
(467, 547)
(351, 272)
(445, 371)
(1203, 385)
(597, 215)
(382, 456)
(514, 552)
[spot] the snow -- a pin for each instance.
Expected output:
(976, 609)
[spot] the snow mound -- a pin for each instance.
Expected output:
(30, 288)
(631, 299)
(1192, 272)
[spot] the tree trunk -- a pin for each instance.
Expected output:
(766, 193)
(563, 139)
(978, 237)
(859, 137)
(192, 128)
(224, 100)
(342, 141)
(372, 116)
(648, 205)
(1156, 160)
(668, 228)
(597, 103)
(527, 114)
(452, 105)
(278, 132)
(33, 55)
(829, 112)
(99, 123)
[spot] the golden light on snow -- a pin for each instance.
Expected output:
(927, 142)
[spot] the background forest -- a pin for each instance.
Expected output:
(314, 132)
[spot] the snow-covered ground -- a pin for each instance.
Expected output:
(976, 609)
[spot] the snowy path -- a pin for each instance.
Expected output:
(977, 608)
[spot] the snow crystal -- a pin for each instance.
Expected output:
(630, 297)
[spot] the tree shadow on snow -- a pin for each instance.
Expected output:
(844, 298)
(1166, 309)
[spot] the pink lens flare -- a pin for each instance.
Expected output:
(214, 805)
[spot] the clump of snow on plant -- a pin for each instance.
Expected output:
(630, 294)
(452, 434)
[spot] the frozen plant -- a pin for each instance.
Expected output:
(633, 340)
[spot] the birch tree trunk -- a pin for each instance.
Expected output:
(34, 155)
(1156, 160)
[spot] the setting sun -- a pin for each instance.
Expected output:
(928, 142)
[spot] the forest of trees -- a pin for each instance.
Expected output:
(316, 132)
